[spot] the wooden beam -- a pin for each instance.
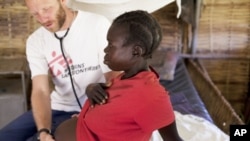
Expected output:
(216, 56)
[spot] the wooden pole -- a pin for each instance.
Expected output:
(196, 26)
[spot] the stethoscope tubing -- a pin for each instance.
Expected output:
(68, 67)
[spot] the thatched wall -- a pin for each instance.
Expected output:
(224, 26)
(171, 27)
(224, 33)
(223, 45)
(15, 26)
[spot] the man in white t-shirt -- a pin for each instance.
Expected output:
(69, 47)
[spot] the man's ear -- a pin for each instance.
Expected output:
(138, 50)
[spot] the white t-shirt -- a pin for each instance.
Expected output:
(84, 49)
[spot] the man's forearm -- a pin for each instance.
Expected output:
(41, 108)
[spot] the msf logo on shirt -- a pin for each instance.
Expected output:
(58, 65)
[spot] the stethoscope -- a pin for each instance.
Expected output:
(68, 67)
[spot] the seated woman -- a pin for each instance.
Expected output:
(137, 104)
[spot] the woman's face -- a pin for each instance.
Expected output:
(119, 57)
(49, 13)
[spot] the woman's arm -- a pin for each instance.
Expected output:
(170, 133)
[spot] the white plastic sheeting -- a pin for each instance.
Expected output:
(194, 128)
(113, 8)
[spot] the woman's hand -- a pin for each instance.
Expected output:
(96, 93)
(46, 137)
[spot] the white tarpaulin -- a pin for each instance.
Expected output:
(194, 128)
(113, 8)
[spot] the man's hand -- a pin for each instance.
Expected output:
(96, 93)
(46, 137)
(75, 116)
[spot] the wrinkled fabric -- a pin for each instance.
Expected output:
(113, 8)
(194, 128)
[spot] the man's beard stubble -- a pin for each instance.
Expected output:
(60, 20)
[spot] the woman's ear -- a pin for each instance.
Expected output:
(138, 51)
